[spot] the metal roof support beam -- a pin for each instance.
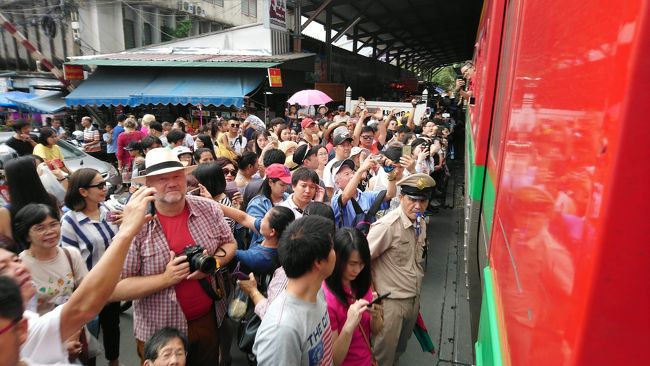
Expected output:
(385, 50)
(347, 27)
(355, 38)
(328, 42)
(374, 48)
(320, 9)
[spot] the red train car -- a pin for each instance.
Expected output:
(557, 183)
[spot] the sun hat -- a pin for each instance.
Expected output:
(180, 150)
(357, 150)
(161, 161)
(279, 171)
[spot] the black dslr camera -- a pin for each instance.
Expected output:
(199, 261)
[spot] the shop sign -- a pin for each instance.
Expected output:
(275, 78)
(277, 14)
(73, 72)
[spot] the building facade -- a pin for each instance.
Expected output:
(68, 28)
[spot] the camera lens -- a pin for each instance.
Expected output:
(204, 263)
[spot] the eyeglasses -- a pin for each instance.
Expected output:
(234, 125)
(166, 355)
(43, 228)
(9, 326)
(227, 171)
(100, 185)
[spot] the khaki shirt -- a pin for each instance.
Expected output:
(397, 255)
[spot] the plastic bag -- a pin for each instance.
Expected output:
(238, 304)
(50, 183)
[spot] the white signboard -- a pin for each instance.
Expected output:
(276, 14)
(401, 107)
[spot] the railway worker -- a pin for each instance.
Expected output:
(397, 247)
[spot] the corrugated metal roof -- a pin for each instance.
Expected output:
(186, 60)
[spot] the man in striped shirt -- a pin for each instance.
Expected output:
(91, 144)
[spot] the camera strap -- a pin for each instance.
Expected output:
(207, 287)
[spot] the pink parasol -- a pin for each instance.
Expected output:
(309, 97)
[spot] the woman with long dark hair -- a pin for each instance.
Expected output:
(24, 187)
(347, 291)
(261, 138)
(203, 141)
(89, 227)
(212, 185)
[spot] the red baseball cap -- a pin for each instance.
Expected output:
(279, 171)
(306, 122)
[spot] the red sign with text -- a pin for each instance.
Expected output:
(73, 72)
(275, 78)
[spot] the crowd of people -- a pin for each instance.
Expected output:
(277, 236)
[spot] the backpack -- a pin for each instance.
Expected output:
(362, 220)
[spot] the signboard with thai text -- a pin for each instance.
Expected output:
(276, 16)
(400, 108)
(73, 72)
(275, 78)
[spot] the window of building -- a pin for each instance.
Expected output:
(129, 34)
(147, 38)
(249, 8)
(217, 2)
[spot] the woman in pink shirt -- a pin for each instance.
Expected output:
(348, 294)
(123, 140)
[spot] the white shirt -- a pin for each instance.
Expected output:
(44, 344)
(288, 203)
(238, 144)
(328, 179)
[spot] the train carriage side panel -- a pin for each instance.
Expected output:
(566, 71)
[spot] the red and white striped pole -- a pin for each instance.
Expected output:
(36, 54)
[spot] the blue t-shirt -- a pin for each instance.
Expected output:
(116, 132)
(258, 259)
(364, 199)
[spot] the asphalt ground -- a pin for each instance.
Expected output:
(443, 303)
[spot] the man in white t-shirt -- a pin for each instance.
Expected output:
(342, 116)
(42, 336)
(235, 139)
(342, 142)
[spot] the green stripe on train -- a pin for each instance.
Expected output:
(489, 200)
(488, 345)
(475, 172)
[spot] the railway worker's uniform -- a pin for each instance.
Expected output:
(397, 247)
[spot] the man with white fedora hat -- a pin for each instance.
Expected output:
(156, 274)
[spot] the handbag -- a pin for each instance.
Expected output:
(247, 330)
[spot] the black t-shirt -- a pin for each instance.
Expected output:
(21, 147)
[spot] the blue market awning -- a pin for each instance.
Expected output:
(7, 99)
(137, 86)
(46, 104)
(220, 87)
(111, 86)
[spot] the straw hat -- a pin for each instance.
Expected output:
(160, 161)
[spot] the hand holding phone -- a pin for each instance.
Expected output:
(379, 299)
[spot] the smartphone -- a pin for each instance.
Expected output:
(152, 208)
(231, 189)
(406, 150)
(379, 299)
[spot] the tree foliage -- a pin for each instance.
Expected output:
(183, 28)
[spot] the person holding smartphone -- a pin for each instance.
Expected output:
(348, 294)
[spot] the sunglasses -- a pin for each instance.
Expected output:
(367, 137)
(101, 185)
(227, 171)
(234, 125)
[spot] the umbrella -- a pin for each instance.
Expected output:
(309, 97)
(422, 334)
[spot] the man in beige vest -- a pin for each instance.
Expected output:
(397, 246)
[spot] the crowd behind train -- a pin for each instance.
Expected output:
(276, 236)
